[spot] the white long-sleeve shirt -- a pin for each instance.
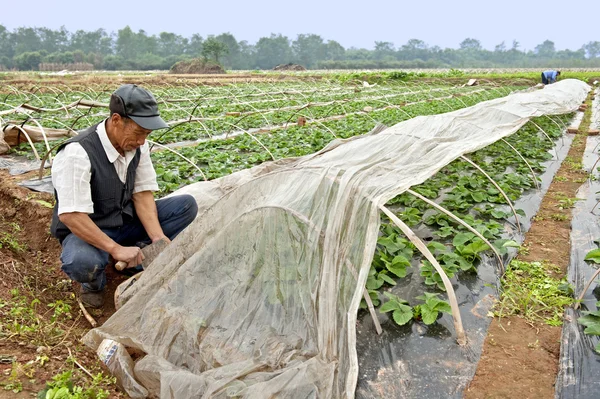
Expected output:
(71, 173)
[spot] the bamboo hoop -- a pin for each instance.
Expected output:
(499, 189)
(458, 327)
(179, 155)
(587, 286)
(462, 222)
(533, 176)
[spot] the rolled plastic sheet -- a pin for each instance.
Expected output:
(259, 296)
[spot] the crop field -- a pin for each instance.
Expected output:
(496, 223)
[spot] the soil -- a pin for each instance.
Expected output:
(33, 268)
(520, 356)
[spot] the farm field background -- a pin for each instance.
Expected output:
(223, 124)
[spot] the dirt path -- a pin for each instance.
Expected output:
(520, 358)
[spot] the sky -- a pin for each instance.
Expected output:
(351, 23)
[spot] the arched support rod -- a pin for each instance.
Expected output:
(462, 222)
(460, 332)
(180, 155)
(498, 187)
(587, 286)
(547, 136)
(533, 176)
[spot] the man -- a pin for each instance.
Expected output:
(550, 77)
(103, 180)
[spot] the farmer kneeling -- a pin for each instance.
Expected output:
(103, 182)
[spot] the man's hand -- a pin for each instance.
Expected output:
(133, 256)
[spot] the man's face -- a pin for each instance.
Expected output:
(131, 135)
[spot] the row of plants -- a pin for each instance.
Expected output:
(227, 112)
(467, 193)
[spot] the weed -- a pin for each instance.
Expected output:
(559, 217)
(530, 292)
(63, 386)
(560, 178)
(7, 240)
(567, 203)
(524, 250)
(21, 319)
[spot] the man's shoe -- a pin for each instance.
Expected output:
(92, 299)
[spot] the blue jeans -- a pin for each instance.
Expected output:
(85, 263)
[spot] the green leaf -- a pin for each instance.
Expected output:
(462, 238)
(443, 306)
(478, 196)
(387, 279)
(390, 244)
(498, 214)
(398, 266)
(436, 246)
(389, 306)
(593, 256)
(593, 329)
(403, 315)
(588, 320)
(429, 316)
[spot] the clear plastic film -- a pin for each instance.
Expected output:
(259, 296)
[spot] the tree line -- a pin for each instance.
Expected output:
(26, 48)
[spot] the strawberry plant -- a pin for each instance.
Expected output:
(591, 321)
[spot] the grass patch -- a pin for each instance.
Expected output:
(529, 291)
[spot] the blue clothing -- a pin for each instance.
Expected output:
(85, 263)
(549, 77)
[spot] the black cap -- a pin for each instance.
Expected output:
(140, 105)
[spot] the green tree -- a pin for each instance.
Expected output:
(26, 40)
(28, 61)
(592, 49)
(231, 58)
(92, 42)
(169, 44)
(546, 49)
(213, 47)
(7, 49)
(384, 50)
(53, 41)
(334, 50)
(272, 51)
(414, 49)
(470, 44)
(130, 45)
(194, 47)
(309, 49)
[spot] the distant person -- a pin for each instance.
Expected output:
(550, 77)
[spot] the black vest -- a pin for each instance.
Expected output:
(112, 199)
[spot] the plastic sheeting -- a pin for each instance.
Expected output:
(259, 296)
(406, 361)
(579, 368)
